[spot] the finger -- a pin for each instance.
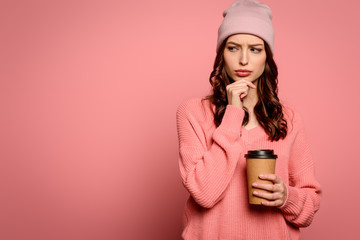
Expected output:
(275, 203)
(243, 95)
(268, 196)
(239, 89)
(242, 86)
(250, 84)
(243, 82)
(267, 186)
(271, 177)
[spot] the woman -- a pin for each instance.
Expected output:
(244, 113)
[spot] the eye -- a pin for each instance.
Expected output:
(231, 49)
(257, 50)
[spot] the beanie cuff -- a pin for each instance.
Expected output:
(246, 24)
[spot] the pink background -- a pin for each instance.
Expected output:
(88, 95)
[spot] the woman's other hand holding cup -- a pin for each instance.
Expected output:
(278, 191)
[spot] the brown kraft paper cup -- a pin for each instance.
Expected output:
(258, 162)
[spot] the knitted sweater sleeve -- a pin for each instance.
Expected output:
(207, 171)
(303, 190)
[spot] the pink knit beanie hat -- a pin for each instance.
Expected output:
(247, 16)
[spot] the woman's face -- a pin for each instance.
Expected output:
(244, 52)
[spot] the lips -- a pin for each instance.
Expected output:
(243, 73)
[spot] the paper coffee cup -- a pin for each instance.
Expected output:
(259, 162)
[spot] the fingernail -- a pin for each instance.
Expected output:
(261, 175)
(254, 184)
(255, 192)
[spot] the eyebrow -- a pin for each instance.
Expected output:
(237, 44)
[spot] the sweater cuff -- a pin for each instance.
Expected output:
(290, 205)
(233, 118)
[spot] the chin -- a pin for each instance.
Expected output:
(239, 78)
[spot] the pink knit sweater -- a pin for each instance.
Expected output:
(213, 170)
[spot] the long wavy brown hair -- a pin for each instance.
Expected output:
(268, 110)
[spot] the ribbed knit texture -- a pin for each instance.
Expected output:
(213, 170)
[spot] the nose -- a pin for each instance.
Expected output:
(244, 57)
